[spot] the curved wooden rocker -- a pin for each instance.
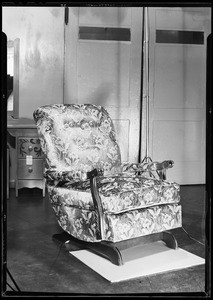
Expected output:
(113, 251)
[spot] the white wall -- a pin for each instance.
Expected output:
(41, 34)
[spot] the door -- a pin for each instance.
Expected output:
(177, 65)
(103, 67)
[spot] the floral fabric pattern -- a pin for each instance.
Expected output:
(142, 206)
(76, 139)
(128, 193)
(142, 222)
(82, 222)
(120, 193)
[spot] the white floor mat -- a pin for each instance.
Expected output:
(140, 261)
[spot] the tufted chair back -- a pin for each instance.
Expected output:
(77, 137)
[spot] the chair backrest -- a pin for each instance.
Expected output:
(77, 137)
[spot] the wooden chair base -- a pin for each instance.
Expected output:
(112, 251)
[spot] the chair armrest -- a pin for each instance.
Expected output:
(60, 178)
(150, 167)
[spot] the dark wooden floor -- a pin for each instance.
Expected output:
(38, 264)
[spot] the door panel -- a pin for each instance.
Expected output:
(104, 71)
(103, 78)
(179, 74)
(181, 141)
(177, 91)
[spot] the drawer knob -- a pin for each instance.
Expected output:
(30, 148)
(30, 170)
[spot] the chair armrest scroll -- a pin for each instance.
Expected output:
(162, 167)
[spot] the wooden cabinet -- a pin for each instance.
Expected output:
(26, 158)
(30, 164)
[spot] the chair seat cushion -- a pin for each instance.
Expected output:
(119, 194)
(122, 193)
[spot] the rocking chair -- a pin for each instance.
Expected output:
(102, 204)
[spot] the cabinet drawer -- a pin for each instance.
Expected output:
(29, 146)
(34, 171)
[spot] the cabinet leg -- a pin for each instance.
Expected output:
(43, 188)
(16, 188)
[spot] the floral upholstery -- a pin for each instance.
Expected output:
(76, 139)
(121, 193)
(75, 214)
